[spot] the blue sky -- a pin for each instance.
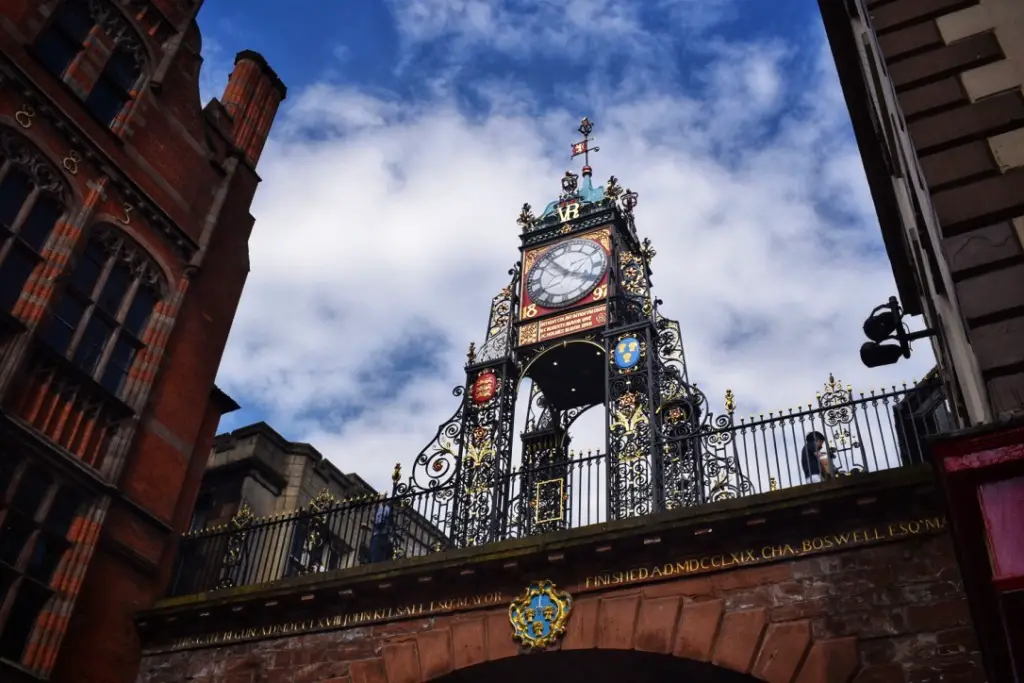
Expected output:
(415, 129)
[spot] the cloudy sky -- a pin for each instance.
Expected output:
(415, 129)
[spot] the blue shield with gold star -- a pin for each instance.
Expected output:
(539, 616)
(627, 353)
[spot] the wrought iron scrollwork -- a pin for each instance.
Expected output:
(486, 455)
(837, 403)
(697, 457)
(630, 405)
(436, 464)
(234, 555)
(317, 533)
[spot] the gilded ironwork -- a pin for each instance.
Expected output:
(628, 201)
(630, 406)
(612, 189)
(233, 562)
(539, 617)
(464, 466)
(317, 534)
(647, 250)
(498, 344)
(526, 218)
(696, 456)
(837, 403)
(570, 183)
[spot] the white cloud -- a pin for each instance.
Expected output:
(217, 66)
(386, 226)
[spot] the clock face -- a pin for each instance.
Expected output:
(566, 273)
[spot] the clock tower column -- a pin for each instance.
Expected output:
(482, 484)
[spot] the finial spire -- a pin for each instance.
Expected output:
(584, 148)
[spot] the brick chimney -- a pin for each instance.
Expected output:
(252, 97)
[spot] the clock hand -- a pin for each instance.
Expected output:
(558, 266)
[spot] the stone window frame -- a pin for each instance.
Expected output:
(109, 24)
(20, 156)
(39, 517)
(100, 318)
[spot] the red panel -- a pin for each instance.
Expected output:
(973, 461)
(1002, 505)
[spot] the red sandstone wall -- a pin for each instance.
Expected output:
(892, 613)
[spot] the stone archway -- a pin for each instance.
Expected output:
(704, 632)
(595, 666)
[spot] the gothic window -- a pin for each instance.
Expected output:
(101, 316)
(36, 514)
(30, 205)
(64, 37)
(113, 89)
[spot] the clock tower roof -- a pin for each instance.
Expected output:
(578, 198)
(585, 193)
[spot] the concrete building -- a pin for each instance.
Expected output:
(935, 90)
(124, 223)
(306, 515)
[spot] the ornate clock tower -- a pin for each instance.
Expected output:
(579, 321)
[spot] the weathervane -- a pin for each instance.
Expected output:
(584, 148)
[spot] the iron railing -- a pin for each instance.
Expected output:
(869, 432)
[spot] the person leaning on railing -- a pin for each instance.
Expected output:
(817, 463)
(381, 544)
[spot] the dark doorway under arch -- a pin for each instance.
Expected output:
(594, 666)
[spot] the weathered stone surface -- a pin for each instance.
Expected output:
(890, 613)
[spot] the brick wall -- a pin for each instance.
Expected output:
(892, 613)
(165, 175)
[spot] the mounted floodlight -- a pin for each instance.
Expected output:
(885, 324)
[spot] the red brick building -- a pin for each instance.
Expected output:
(124, 222)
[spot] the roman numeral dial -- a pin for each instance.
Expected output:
(566, 273)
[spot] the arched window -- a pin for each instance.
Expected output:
(100, 318)
(113, 88)
(31, 202)
(36, 514)
(64, 37)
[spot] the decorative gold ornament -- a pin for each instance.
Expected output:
(629, 414)
(71, 161)
(612, 189)
(323, 501)
(243, 518)
(526, 218)
(25, 115)
(127, 218)
(647, 250)
(540, 615)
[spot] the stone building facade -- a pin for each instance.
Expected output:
(256, 466)
(935, 90)
(936, 97)
(124, 223)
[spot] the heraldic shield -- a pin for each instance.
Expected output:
(539, 616)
